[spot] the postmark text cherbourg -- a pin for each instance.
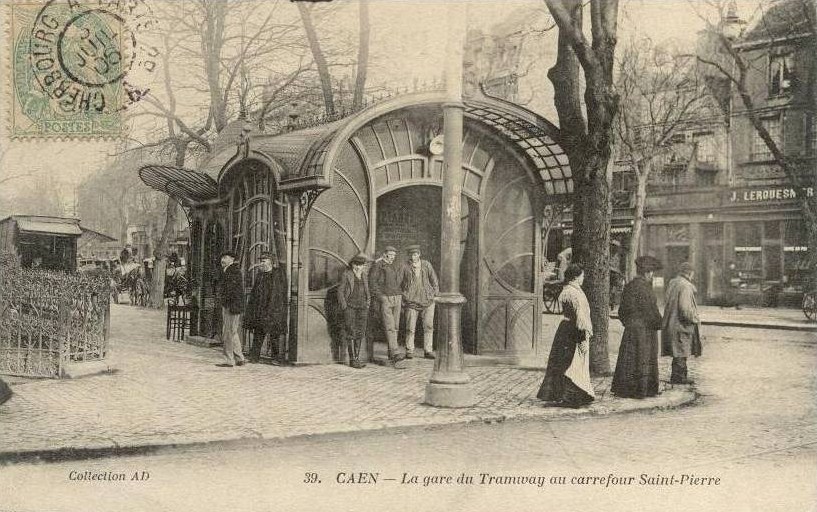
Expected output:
(77, 64)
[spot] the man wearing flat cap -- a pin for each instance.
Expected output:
(354, 298)
(420, 286)
(384, 280)
(636, 373)
(681, 326)
(232, 302)
(266, 308)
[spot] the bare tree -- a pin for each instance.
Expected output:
(319, 57)
(364, 31)
(586, 134)
(660, 92)
(794, 21)
(213, 51)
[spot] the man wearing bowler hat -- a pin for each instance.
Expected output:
(680, 331)
(384, 282)
(232, 301)
(420, 286)
(266, 308)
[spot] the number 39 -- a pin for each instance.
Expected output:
(310, 478)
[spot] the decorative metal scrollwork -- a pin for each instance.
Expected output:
(306, 200)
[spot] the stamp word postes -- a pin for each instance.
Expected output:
(74, 64)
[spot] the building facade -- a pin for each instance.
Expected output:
(729, 201)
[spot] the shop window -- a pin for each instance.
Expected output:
(749, 254)
(781, 74)
(812, 129)
(760, 151)
(795, 256)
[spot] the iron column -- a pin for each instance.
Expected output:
(449, 385)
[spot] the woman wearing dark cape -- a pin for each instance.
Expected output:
(567, 377)
(636, 373)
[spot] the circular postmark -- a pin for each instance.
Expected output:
(82, 53)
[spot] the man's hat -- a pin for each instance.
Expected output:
(228, 253)
(413, 248)
(647, 263)
(360, 259)
(266, 255)
(389, 248)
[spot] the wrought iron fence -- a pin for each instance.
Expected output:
(49, 319)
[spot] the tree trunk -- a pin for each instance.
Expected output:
(638, 221)
(320, 59)
(588, 147)
(591, 249)
(362, 56)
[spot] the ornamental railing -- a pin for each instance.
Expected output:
(51, 319)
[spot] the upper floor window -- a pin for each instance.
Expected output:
(705, 144)
(760, 151)
(781, 74)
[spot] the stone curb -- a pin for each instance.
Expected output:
(747, 325)
(109, 447)
(802, 327)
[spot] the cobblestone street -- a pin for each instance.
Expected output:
(166, 393)
(754, 427)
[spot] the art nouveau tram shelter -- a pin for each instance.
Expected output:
(317, 196)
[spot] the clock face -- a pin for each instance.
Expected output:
(435, 147)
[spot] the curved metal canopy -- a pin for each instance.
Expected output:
(185, 185)
(306, 156)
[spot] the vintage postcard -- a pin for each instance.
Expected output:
(417, 255)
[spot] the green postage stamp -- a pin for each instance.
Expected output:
(77, 66)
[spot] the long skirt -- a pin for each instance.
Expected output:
(556, 386)
(636, 373)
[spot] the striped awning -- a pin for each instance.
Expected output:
(184, 185)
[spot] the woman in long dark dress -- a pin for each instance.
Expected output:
(636, 373)
(567, 377)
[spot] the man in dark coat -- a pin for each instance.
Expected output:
(681, 327)
(636, 373)
(232, 304)
(266, 309)
(354, 299)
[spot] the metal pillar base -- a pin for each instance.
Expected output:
(450, 395)
(449, 385)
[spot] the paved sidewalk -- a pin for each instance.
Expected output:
(169, 394)
(754, 317)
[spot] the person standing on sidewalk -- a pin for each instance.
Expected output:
(384, 279)
(420, 286)
(266, 308)
(232, 302)
(567, 377)
(636, 373)
(354, 298)
(680, 335)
